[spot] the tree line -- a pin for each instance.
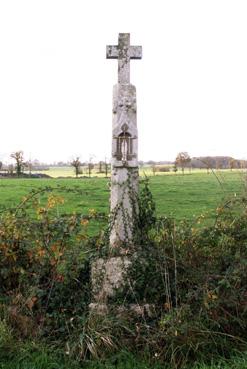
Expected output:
(182, 161)
(20, 166)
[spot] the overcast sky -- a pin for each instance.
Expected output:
(56, 84)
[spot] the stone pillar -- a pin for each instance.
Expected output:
(124, 179)
(110, 275)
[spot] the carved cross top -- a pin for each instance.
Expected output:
(123, 52)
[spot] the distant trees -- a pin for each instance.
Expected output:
(216, 162)
(207, 160)
(107, 168)
(243, 164)
(154, 169)
(232, 163)
(90, 167)
(175, 168)
(182, 160)
(101, 164)
(76, 163)
(1, 165)
(219, 164)
(163, 168)
(18, 156)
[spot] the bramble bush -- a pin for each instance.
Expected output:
(44, 266)
(195, 275)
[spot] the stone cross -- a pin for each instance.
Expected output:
(110, 275)
(123, 52)
(124, 179)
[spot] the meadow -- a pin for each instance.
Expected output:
(178, 196)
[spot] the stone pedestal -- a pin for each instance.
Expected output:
(110, 284)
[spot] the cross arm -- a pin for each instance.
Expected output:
(135, 52)
(112, 52)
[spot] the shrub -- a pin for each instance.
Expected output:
(44, 266)
(162, 168)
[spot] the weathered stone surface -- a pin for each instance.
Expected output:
(124, 181)
(124, 207)
(99, 309)
(136, 310)
(108, 276)
(124, 127)
(123, 52)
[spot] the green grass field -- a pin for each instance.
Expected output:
(179, 196)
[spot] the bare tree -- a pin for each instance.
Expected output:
(90, 166)
(174, 168)
(154, 169)
(101, 167)
(218, 164)
(76, 163)
(106, 168)
(232, 163)
(182, 160)
(18, 156)
(208, 161)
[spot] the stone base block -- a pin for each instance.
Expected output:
(111, 284)
(135, 310)
(108, 276)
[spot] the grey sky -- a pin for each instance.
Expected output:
(56, 85)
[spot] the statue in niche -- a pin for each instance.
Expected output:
(124, 145)
(124, 149)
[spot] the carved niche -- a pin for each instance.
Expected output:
(124, 145)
